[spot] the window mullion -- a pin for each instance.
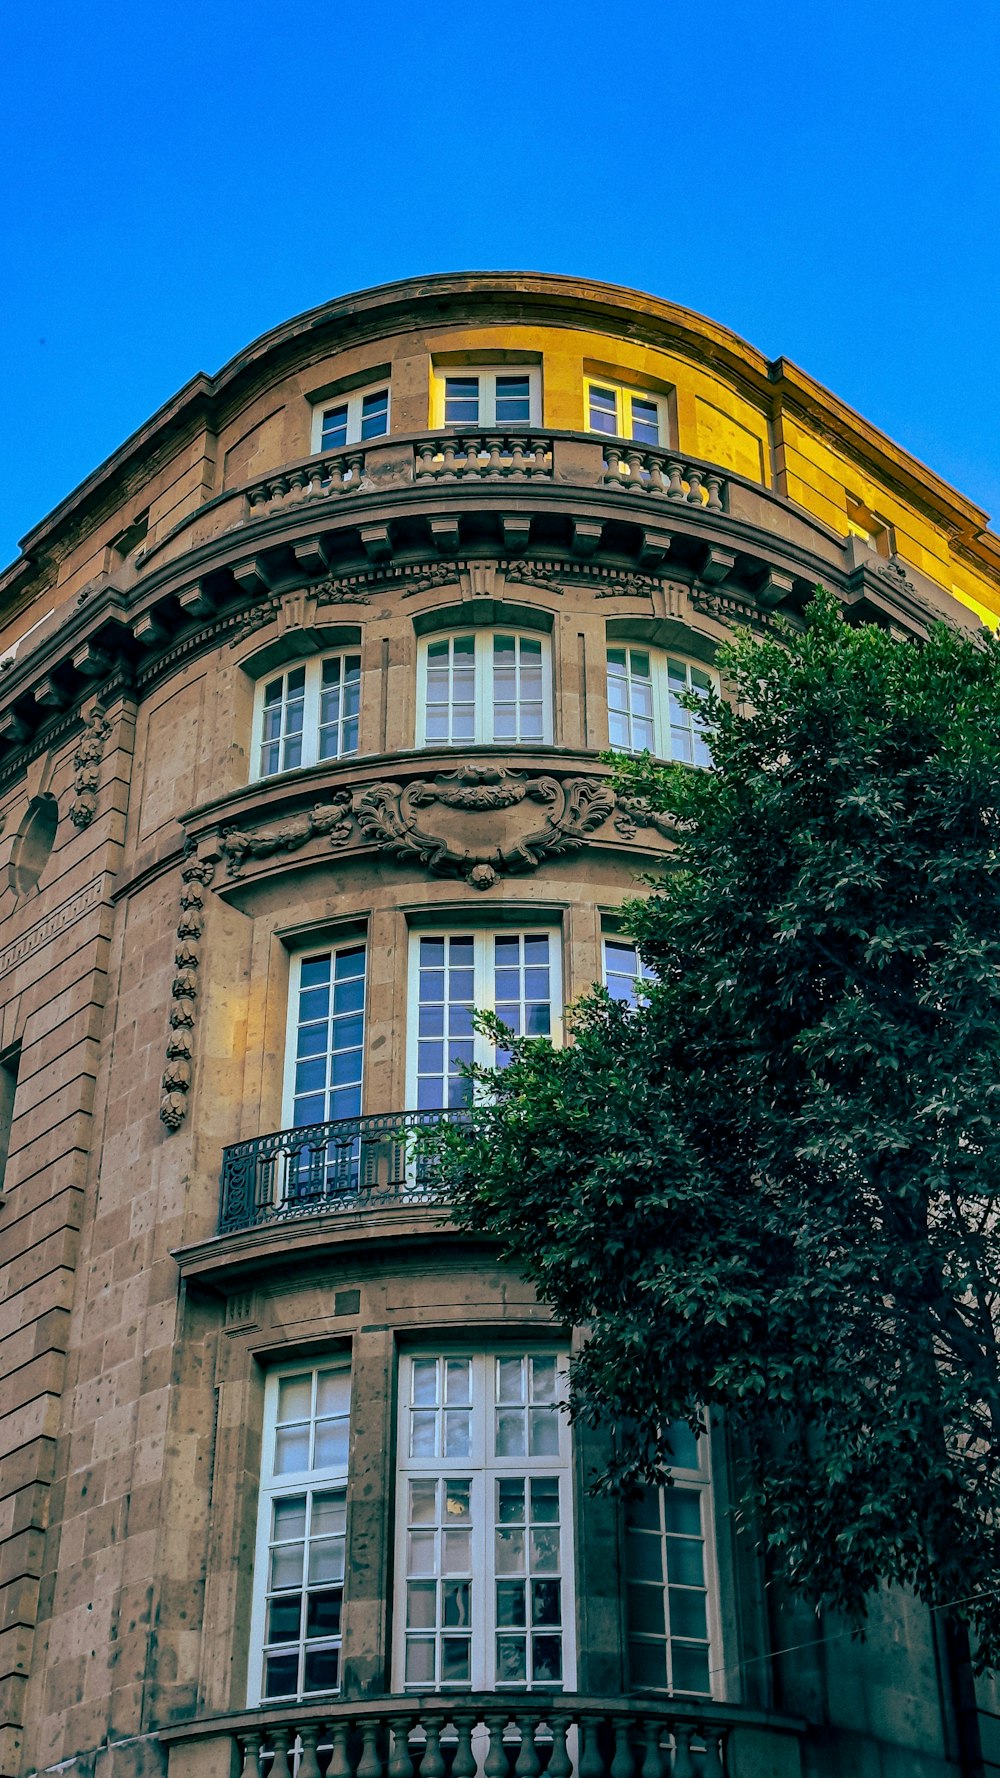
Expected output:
(485, 992)
(310, 713)
(661, 705)
(484, 685)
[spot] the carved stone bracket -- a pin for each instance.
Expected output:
(87, 766)
(196, 875)
(434, 822)
(331, 819)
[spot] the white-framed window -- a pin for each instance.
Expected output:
(484, 685)
(308, 712)
(484, 1556)
(643, 712)
(499, 395)
(324, 1055)
(454, 974)
(624, 969)
(621, 412)
(350, 419)
(298, 1591)
(672, 1604)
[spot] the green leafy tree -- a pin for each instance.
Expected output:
(771, 1186)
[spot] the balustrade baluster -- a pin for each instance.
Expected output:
(432, 1765)
(495, 1764)
(712, 1764)
(256, 497)
(371, 1763)
(675, 486)
(448, 470)
(400, 1763)
(527, 1764)
(279, 1765)
(694, 487)
(340, 1765)
(357, 467)
(496, 467)
(308, 1766)
(652, 1759)
(714, 484)
(464, 1763)
(591, 1759)
(518, 465)
(251, 1756)
(636, 463)
(560, 1765)
(623, 1760)
(683, 1760)
(613, 463)
(297, 479)
(538, 450)
(654, 485)
(424, 461)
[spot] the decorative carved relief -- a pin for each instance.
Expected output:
(87, 765)
(196, 875)
(635, 812)
(387, 815)
(727, 607)
(332, 819)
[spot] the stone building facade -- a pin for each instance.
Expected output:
(302, 705)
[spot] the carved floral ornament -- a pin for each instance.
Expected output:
(196, 876)
(476, 823)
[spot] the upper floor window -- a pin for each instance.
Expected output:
(621, 412)
(481, 395)
(624, 969)
(351, 419)
(864, 523)
(484, 1546)
(644, 685)
(670, 1570)
(484, 685)
(325, 1051)
(295, 1632)
(307, 713)
(515, 974)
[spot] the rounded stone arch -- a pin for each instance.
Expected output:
(33, 844)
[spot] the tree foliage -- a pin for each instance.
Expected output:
(771, 1187)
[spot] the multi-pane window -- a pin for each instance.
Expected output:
(484, 685)
(484, 396)
(326, 1033)
(351, 419)
(484, 1546)
(515, 974)
(644, 712)
(299, 1568)
(620, 412)
(307, 713)
(673, 1643)
(624, 970)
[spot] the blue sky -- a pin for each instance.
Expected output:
(180, 178)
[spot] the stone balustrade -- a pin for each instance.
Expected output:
(338, 472)
(644, 470)
(485, 456)
(522, 1735)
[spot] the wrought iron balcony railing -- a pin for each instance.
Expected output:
(350, 1164)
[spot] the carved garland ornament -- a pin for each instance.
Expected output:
(87, 765)
(332, 819)
(196, 875)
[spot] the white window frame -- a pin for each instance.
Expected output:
(273, 1487)
(642, 972)
(487, 375)
(697, 1479)
(484, 1468)
(313, 666)
(659, 666)
(354, 403)
(483, 637)
(484, 1053)
(624, 395)
(357, 942)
